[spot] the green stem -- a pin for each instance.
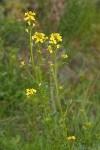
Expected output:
(56, 82)
(51, 92)
(39, 66)
(31, 56)
(29, 73)
(31, 53)
(40, 78)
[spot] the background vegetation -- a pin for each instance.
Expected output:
(79, 24)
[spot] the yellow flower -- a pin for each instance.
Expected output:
(34, 25)
(49, 48)
(39, 37)
(71, 138)
(64, 56)
(22, 64)
(51, 65)
(29, 16)
(54, 38)
(26, 30)
(30, 91)
(58, 46)
(29, 22)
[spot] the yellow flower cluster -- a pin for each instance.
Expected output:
(71, 138)
(22, 64)
(39, 37)
(30, 91)
(64, 56)
(29, 16)
(49, 48)
(55, 38)
(58, 46)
